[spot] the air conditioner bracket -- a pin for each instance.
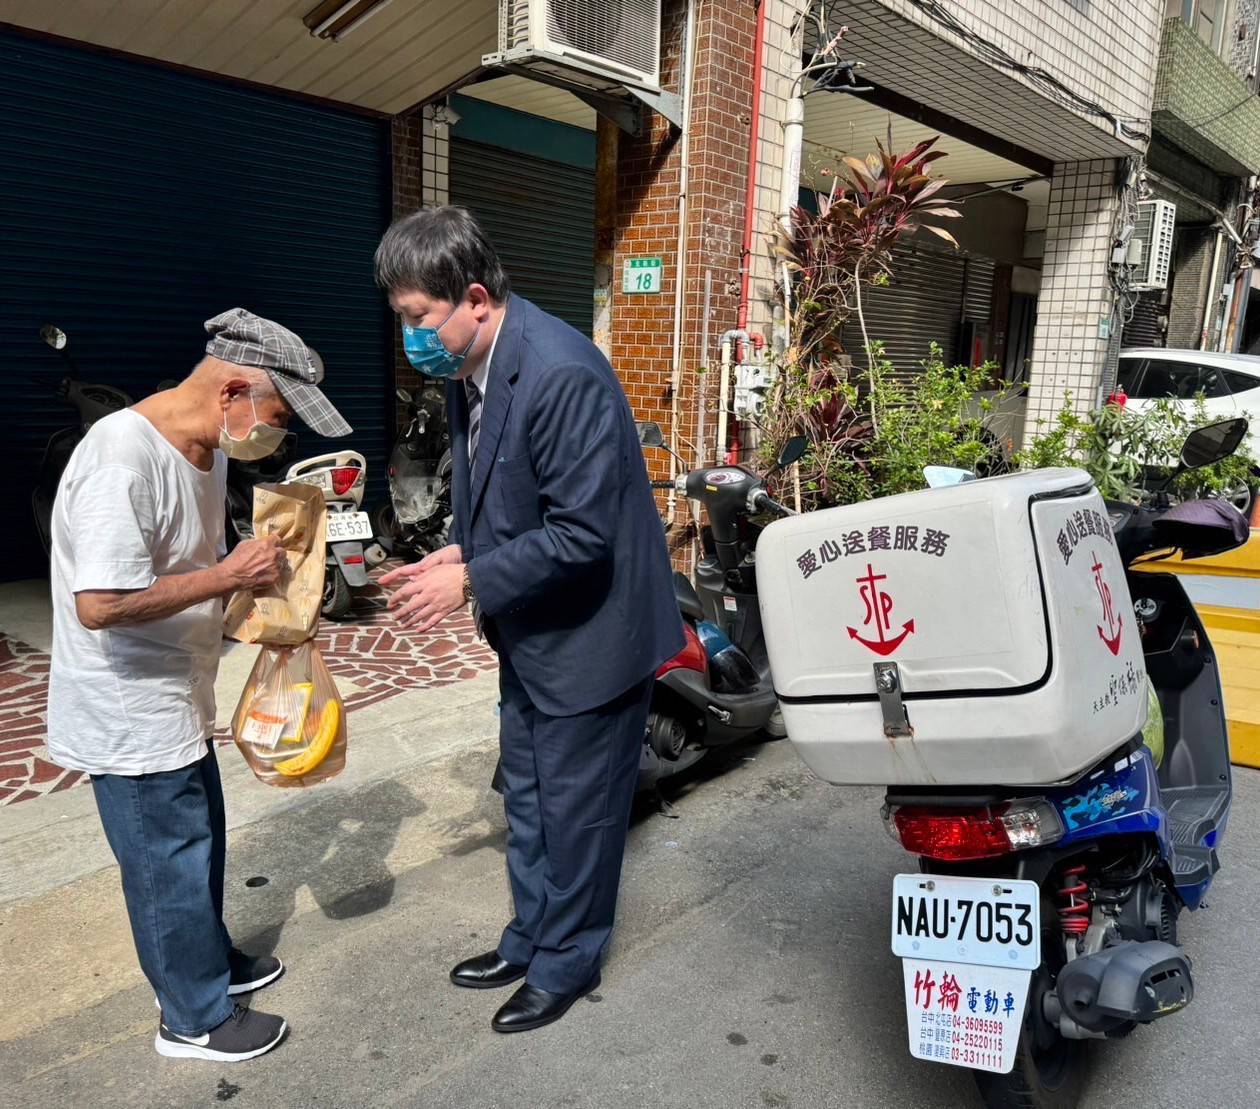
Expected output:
(624, 106)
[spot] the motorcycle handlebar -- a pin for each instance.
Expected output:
(663, 484)
(764, 500)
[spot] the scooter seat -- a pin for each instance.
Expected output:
(688, 598)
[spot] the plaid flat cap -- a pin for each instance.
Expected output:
(240, 337)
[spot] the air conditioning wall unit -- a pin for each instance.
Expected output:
(1156, 222)
(614, 42)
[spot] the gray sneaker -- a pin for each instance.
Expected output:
(244, 1035)
(248, 973)
(252, 972)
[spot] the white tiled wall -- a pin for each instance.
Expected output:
(1070, 342)
(435, 164)
(1104, 49)
(780, 61)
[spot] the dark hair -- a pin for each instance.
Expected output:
(439, 252)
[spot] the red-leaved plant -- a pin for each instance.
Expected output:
(872, 205)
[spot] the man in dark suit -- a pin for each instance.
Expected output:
(559, 548)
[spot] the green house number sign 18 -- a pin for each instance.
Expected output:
(641, 275)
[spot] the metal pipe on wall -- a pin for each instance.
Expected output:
(702, 417)
(1209, 303)
(754, 139)
(680, 265)
(729, 338)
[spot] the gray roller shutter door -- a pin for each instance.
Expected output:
(540, 215)
(929, 295)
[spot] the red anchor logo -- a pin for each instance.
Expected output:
(879, 606)
(1115, 625)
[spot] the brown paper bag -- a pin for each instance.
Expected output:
(286, 613)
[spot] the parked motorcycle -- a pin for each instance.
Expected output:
(1048, 722)
(91, 402)
(717, 689)
(342, 477)
(417, 519)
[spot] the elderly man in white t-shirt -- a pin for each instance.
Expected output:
(138, 579)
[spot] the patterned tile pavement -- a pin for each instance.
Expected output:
(369, 651)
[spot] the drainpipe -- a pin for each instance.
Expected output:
(1232, 334)
(729, 339)
(750, 200)
(793, 138)
(1210, 302)
(675, 385)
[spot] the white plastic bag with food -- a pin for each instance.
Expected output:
(290, 722)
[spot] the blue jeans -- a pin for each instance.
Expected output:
(168, 833)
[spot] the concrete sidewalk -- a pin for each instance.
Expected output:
(750, 968)
(60, 906)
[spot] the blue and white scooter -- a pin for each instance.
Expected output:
(1042, 916)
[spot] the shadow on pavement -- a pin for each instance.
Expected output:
(342, 862)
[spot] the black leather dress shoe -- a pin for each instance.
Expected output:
(487, 972)
(531, 1007)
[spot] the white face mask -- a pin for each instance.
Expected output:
(260, 441)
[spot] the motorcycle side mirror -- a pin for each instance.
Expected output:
(402, 395)
(793, 451)
(650, 434)
(1207, 445)
(941, 477)
(54, 336)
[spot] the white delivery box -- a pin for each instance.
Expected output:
(980, 634)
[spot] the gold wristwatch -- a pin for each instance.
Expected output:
(468, 589)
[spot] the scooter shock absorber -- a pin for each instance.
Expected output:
(1074, 916)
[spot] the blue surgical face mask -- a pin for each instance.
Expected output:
(428, 354)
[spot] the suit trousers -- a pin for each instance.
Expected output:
(568, 784)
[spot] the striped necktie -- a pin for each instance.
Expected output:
(474, 424)
(474, 434)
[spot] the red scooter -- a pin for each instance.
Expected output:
(717, 689)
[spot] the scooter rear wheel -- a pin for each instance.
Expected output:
(337, 595)
(1049, 1071)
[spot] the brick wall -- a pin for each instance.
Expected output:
(1069, 345)
(648, 179)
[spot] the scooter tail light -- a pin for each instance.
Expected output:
(691, 657)
(955, 835)
(344, 478)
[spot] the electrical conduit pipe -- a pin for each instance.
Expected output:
(750, 211)
(675, 384)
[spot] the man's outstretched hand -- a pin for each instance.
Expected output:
(427, 592)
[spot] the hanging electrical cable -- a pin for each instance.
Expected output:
(1043, 80)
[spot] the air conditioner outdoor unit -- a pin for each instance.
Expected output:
(1156, 222)
(597, 43)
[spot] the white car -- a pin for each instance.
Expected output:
(1230, 384)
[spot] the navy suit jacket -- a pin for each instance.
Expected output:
(560, 531)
